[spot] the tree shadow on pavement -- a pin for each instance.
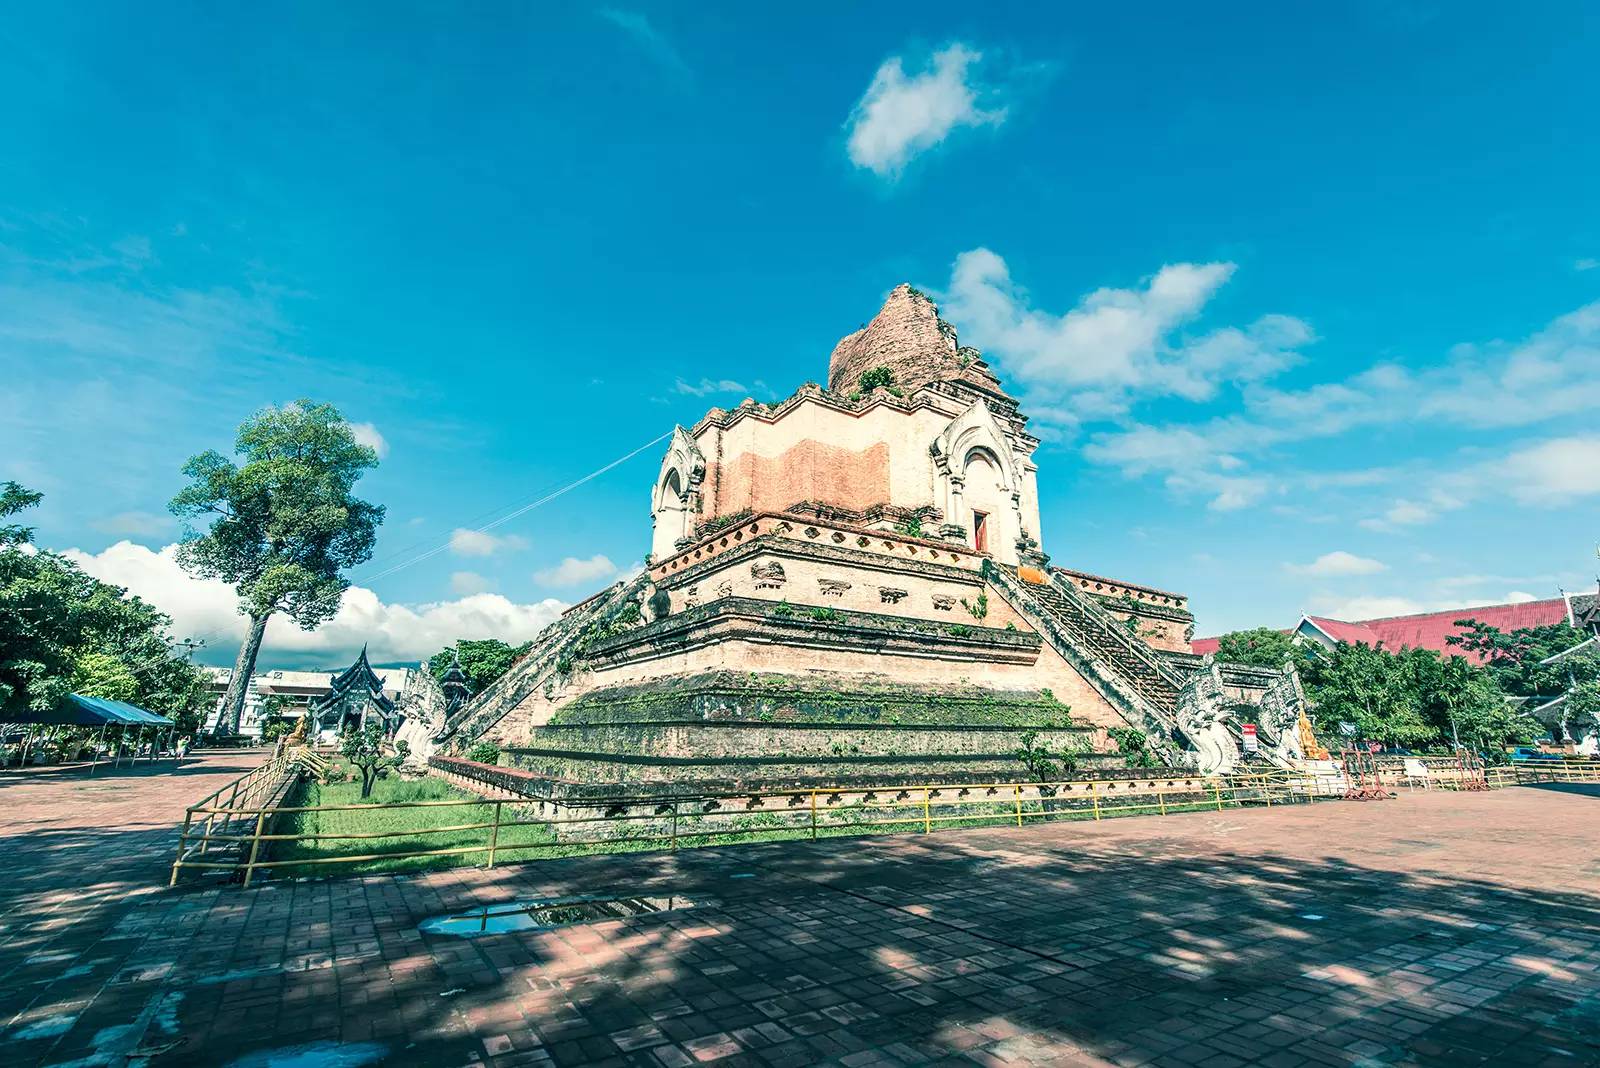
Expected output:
(995, 947)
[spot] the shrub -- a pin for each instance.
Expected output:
(484, 753)
(825, 615)
(1132, 746)
(877, 376)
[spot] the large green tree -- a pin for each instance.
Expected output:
(1415, 698)
(1261, 647)
(1514, 658)
(63, 631)
(284, 523)
(483, 662)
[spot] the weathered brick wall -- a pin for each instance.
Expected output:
(905, 337)
(809, 470)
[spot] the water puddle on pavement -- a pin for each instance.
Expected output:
(543, 913)
(315, 1055)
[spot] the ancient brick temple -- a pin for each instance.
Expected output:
(850, 584)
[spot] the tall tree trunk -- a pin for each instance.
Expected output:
(239, 684)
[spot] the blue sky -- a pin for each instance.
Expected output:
(1304, 301)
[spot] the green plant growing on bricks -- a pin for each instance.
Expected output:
(364, 748)
(484, 753)
(1132, 746)
(1043, 764)
(979, 608)
(285, 524)
(877, 376)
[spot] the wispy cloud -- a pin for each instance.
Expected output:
(136, 524)
(902, 116)
(1554, 373)
(464, 542)
(367, 434)
(574, 572)
(1338, 564)
(650, 40)
(706, 386)
(1116, 345)
(469, 582)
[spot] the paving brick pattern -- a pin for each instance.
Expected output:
(1431, 929)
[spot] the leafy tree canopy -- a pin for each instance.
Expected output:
(1513, 659)
(1259, 647)
(482, 661)
(284, 523)
(64, 631)
(1414, 699)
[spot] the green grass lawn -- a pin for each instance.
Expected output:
(522, 837)
(406, 830)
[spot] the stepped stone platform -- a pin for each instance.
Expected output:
(751, 730)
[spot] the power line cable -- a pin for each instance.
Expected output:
(436, 550)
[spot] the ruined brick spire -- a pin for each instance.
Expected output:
(908, 337)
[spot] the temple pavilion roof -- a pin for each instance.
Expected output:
(357, 678)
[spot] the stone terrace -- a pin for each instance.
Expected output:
(1432, 929)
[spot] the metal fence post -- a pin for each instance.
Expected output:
(183, 838)
(494, 834)
(813, 815)
(1161, 799)
(1094, 795)
(675, 823)
(1217, 786)
(255, 847)
(1017, 789)
(927, 816)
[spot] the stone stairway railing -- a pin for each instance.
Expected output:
(526, 676)
(1092, 641)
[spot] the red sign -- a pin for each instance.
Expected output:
(1250, 743)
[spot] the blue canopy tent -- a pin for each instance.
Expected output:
(80, 711)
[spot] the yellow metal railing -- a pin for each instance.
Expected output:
(604, 824)
(242, 819)
(247, 797)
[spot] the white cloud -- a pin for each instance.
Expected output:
(1587, 263)
(901, 117)
(1553, 373)
(1338, 563)
(1552, 472)
(1402, 513)
(1520, 597)
(464, 542)
(574, 572)
(1116, 345)
(708, 386)
(135, 524)
(468, 582)
(1357, 608)
(206, 608)
(649, 39)
(367, 434)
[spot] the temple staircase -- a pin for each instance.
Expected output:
(1125, 670)
(561, 640)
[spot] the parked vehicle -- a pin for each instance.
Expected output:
(1531, 752)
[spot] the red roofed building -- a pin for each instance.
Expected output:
(1428, 630)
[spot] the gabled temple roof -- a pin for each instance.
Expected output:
(360, 678)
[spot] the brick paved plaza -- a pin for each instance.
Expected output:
(1432, 929)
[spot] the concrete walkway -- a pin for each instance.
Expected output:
(1431, 929)
(80, 858)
